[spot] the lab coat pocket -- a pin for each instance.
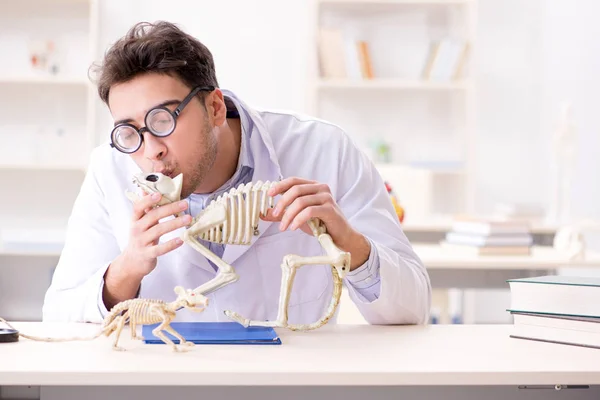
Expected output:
(311, 281)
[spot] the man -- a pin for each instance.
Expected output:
(170, 116)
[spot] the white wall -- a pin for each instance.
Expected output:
(572, 72)
(260, 47)
(508, 119)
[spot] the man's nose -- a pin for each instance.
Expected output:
(154, 148)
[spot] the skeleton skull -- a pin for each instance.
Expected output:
(156, 182)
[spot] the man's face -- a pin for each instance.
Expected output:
(191, 149)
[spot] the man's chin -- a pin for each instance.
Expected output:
(185, 194)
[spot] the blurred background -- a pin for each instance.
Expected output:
(480, 115)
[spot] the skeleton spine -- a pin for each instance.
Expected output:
(132, 305)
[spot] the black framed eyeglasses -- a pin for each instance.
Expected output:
(159, 121)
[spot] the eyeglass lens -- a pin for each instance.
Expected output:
(126, 138)
(160, 122)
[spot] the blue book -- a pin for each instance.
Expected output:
(215, 333)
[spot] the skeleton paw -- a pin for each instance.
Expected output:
(117, 348)
(183, 347)
(189, 344)
(238, 318)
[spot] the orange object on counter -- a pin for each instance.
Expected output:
(395, 202)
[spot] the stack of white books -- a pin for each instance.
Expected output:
(490, 237)
(556, 309)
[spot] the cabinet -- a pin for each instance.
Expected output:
(397, 76)
(47, 117)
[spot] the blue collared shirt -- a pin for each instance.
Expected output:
(365, 279)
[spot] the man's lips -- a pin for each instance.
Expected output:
(165, 172)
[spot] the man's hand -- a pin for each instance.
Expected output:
(123, 277)
(302, 200)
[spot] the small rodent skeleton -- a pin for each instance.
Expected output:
(139, 312)
(232, 218)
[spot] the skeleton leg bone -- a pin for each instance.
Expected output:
(132, 330)
(120, 323)
(226, 274)
(340, 264)
(163, 326)
(182, 340)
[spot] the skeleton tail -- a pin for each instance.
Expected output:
(52, 339)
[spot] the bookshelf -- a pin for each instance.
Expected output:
(388, 84)
(49, 109)
(397, 75)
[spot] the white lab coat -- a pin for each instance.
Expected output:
(282, 145)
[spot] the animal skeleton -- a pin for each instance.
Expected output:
(140, 312)
(233, 218)
(151, 311)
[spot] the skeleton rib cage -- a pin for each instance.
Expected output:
(243, 206)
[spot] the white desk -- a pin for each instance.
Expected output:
(435, 256)
(394, 357)
(451, 268)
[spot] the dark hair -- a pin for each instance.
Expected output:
(160, 48)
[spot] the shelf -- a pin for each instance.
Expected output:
(393, 2)
(47, 2)
(31, 241)
(42, 167)
(46, 80)
(434, 169)
(389, 84)
(23, 253)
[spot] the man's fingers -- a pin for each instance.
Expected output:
(155, 232)
(269, 216)
(153, 216)
(300, 204)
(145, 203)
(308, 213)
(286, 184)
(293, 193)
(164, 248)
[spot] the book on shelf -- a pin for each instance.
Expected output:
(489, 226)
(342, 56)
(487, 237)
(446, 60)
(487, 250)
(478, 240)
(557, 309)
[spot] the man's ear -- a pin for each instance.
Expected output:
(216, 108)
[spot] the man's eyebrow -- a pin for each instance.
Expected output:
(163, 104)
